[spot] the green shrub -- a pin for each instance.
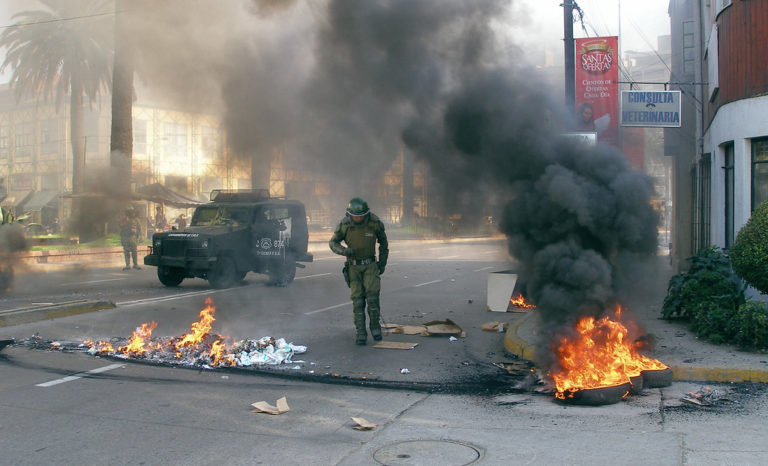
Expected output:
(715, 320)
(709, 279)
(749, 253)
(751, 325)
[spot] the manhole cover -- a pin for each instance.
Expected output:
(427, 452)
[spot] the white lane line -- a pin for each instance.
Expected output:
(427, 283)
(437, 249)
(312, 276)
(447, 257)
(80, 375)
(327, 308)
(92, 281)
(167, 298)
(483, 268)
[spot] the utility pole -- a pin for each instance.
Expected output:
(570, 56)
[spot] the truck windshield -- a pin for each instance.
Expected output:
(220, 215)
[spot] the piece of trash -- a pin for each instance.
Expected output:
(395, 345)
(443, 327)
(225, 377)
(363, 424)
(704, 396)
(494, 326)
(514, 368)
(404, 370)
(453, 339)
(264, 407)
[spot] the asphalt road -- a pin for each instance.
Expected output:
(72, 408)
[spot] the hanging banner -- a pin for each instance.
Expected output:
(597, 88)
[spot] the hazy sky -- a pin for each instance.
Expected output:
(641, 21)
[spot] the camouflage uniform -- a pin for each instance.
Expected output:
(361, 270)
(130, 230)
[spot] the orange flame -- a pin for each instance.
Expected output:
(599, 356)
(101, 346)
(199, 329)
(520, 302)
(141, 337)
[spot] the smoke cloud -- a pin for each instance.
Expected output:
(344, 86)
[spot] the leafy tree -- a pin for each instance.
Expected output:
(64, 50)
(749, 253)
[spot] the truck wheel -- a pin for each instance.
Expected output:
(284, 273)
(170, 276)
(223, 274)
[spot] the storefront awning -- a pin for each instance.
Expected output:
(15, 198)
(41, 199)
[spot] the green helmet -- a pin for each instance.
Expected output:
(357, 207)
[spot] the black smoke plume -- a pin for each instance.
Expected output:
(344, 86)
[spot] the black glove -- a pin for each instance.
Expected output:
(382, 266)
(349, 252)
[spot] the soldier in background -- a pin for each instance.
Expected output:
(130, 231)
(360, 230)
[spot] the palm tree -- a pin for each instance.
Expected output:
(66, 49)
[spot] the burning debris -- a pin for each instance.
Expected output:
(600, 355)
(198, 347)
(518, 303)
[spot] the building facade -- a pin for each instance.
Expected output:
(185, 152)
(721, 150)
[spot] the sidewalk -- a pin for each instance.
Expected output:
(690, 358)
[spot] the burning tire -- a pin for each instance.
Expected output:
(170, 276)
(637, 384)
(657, 378)
(596, 396)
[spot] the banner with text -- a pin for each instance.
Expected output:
(597, 88)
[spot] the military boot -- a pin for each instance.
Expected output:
(358, 311)
(374, 316)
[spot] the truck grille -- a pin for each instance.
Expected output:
(174, 248)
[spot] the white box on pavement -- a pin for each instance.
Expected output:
(501, 285)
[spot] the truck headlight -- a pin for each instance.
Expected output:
(157, 243)
(204, 244)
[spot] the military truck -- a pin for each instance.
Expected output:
(235, 233)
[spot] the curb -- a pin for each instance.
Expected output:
(37, 313)
(517, 346)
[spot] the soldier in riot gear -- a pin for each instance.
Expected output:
(360, 230)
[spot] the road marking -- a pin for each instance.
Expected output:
(92, 281)
(437, 249)
(312, 276)
(326, 308)
(447, 257)
(427, 283)
(80, 375)
(167, 298)
(483, 268)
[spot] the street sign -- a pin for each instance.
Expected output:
(659, 109)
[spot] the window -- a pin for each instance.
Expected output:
(91, 130)
(4, 141)
(701, 234)
(139, 136)
(759, 171)
(728, 172)
(175, 140)
(211, 146)
(22, 140)
(48, 136)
